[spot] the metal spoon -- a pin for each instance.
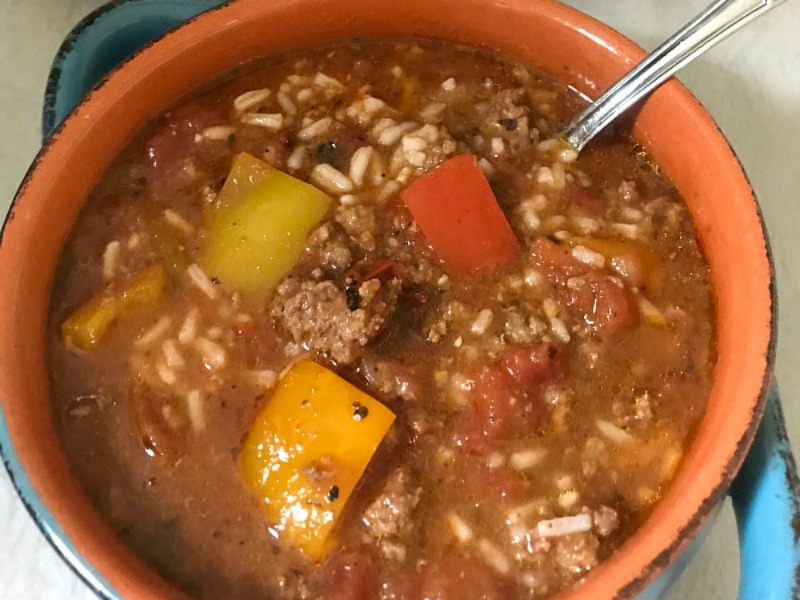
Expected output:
(710, 27)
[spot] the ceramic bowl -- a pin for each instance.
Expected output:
(671, 125)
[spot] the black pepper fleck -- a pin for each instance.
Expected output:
(327, 152)
(333, 493)
(508, 124)
(352, 297)
(359, 411)
(552, 351)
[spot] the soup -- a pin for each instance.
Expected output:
(354, 323)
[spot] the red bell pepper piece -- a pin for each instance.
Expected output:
(459, 215)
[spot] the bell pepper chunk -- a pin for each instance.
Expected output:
(307, 450)
(459, 215)
(257, 231)
(88, 323)
(634, 261)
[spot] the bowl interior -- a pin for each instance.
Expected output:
(681, 137)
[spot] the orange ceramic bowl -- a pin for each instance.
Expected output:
(676, 130)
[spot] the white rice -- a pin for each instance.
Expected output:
(614, 433)
(387, 191)
(568, 155)
(449, 146)
(314, 129)
(588, 257)
(172, 355)
(391, 135)
(433, 112)
(188, 330)
(218, 133)
(382, 124)
(372, 104)
(627, 230)
(527, 210)
(557, 326)
(568, 499)
(154, 333)
(498, 146)
(297, 158)
(326, 81)
(460, 529)
(526, 459)
(496, 559)
(349, 200)
(532, 277)
(111, 260)
(413, 142)
(166, 374)
(286, 104)
(650, 312)
(331, 179)
(562, 526)
(305, 94)
(177, 221)
(448, 85)
(194, 406)
(482, 322)
(486, 167)
(586, 225)
(271, 121)
(264, 378)
(133, 241)
(359, 163)
(495, 460)
(416, 158)
(250, 100)
(214, 355)
(201, 281)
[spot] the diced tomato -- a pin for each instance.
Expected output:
(459, 215)
(530, 365)
(456, 576)
(604, 303)
(555, 261)
(507, 393)
(173, 140)
(349, 575)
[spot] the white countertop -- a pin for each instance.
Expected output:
(750, 84)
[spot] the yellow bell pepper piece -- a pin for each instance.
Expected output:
(623, 255)
(87, 325)
(307, 450)
(258, 229)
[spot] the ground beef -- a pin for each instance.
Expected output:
(576, 553)
(506, 117)
(388, 517)
(606, 521)
(319, 316)
(391, 379)
(328, 249)
(359, 222)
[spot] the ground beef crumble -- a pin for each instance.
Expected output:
(389, 516)
(318, 317)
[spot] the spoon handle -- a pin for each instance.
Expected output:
(714, 24)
